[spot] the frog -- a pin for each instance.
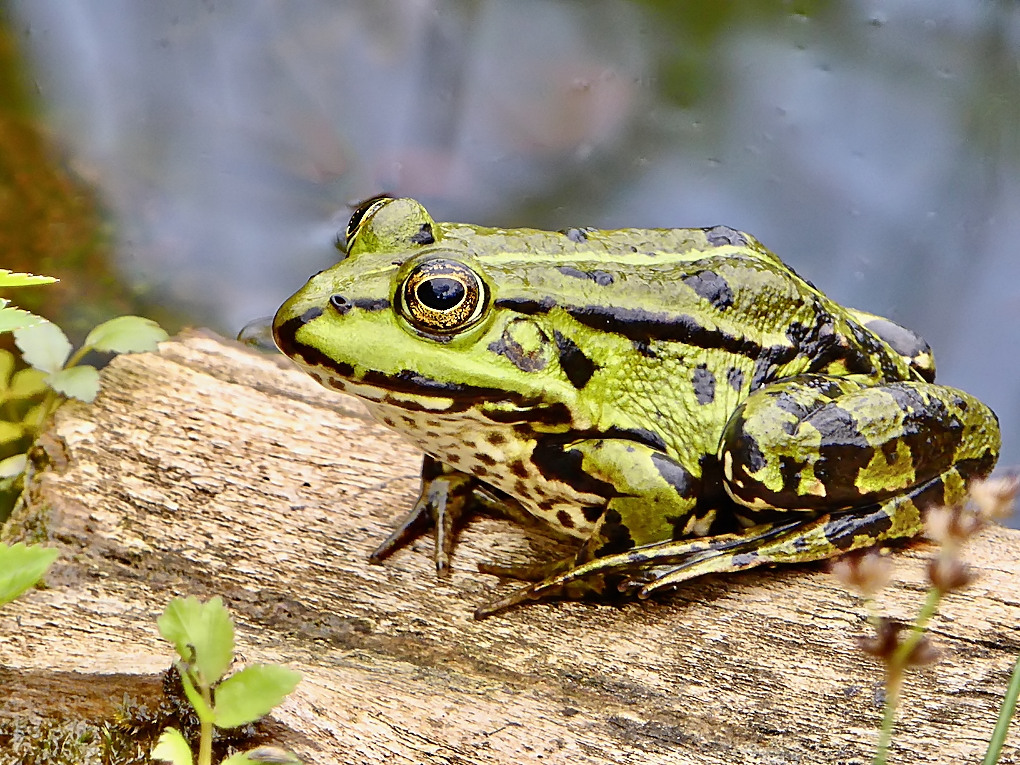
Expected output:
(672, 402)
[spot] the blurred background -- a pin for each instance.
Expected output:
(192, 161)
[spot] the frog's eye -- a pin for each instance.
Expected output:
(443, 296)
(362, 211)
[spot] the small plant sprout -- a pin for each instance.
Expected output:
(900, 646)
(203, 636)
(29, 396)
(46, 348)
(15, 318)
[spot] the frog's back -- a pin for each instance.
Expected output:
(715, 289)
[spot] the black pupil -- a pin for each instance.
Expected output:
(440, 293)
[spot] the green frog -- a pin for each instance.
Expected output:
(678, 401)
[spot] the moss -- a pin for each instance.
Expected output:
(125, 739)
(33, 741)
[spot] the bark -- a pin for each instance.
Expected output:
(206, 469)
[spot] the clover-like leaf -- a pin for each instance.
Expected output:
(16, 318)
(81, 382)
(172, 747)
(26, 383)
(247, 695)
(7, 363)
(43, 345)
(15, 279)
(13, 466)
(126, 334)
(10, 431)
(21, 566)
(204, 628)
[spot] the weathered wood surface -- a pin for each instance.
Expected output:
(209, 470)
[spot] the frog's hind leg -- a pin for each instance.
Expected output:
(844, 463)
(815, 443)
(646, 569)
(860, 463)
(911, 346)
(812, 539)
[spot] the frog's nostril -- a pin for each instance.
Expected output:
(340, 304)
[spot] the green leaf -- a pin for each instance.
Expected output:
(32, 418)
(1006, 711)
(21, 566)
(247, 695)
(7, 362)
(14, 279)
(172, 747)
(81, 382)
(206, 628)
(11, 485)
(16, 318)
(13, 466)
(262, 755)
(10, 431)
(43, 346)
(126, 334)
(27, 383)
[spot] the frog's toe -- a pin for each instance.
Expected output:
(522, 595)
(551, 581)
(533, 572)
(671, 578)
(413, 525)
(551, 589)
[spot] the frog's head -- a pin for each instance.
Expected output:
(413, 320)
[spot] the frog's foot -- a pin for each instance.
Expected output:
(644, 570)
(567, 578)
(445, 495)
(413, 525)
(533, 572)
(594, 585)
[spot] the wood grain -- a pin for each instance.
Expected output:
(206, 469)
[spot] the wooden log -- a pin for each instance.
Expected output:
(206, 469)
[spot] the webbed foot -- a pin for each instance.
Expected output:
(444, 498)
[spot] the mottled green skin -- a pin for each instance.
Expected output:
(678, 399)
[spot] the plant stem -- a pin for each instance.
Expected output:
(45, 410)
(1005, 715)
(77, 356)
(206, 731)
(892, 697)
(52, 398)
(895, 666)
(903, 651)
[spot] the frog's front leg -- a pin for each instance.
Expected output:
(444, 497)
(649, 497)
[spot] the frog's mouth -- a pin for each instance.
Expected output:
(407, 389)
(413, 391)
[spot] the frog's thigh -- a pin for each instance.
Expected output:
(818, 443)
(650, 496)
